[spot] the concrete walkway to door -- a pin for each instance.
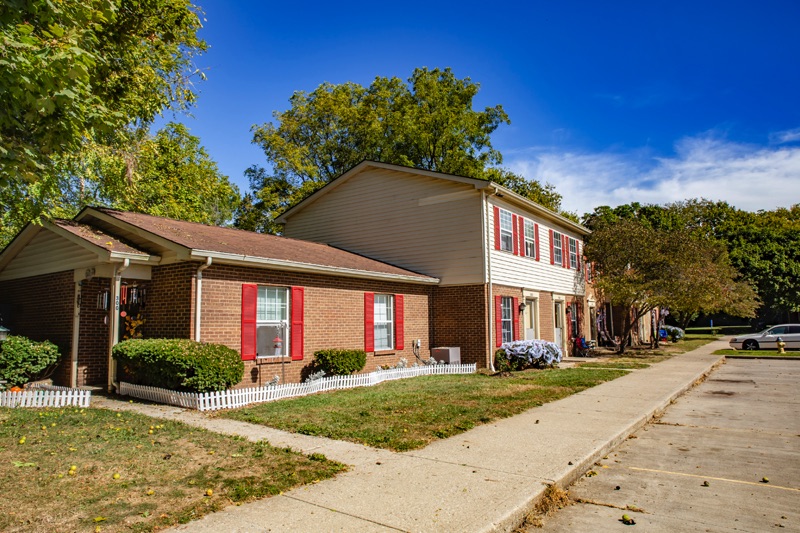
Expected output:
(485, 479)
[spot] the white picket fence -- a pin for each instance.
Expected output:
(46, 397)
(211, 401)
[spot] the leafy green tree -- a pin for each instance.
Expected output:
(168, 174)
(427, 123)
(173, 177)
(763, 247)
(639, 267)
(78, 70)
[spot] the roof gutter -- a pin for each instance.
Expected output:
(292, 266)
(501, 192)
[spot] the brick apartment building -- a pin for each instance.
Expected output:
(382, 258)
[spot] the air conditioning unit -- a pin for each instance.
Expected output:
(448, 354)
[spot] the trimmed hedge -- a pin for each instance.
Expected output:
(23, 360)
(179, 364)
(340, 362)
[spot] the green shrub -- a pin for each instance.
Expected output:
(179, 364)
(503, 364)
(340, 362)
(23, 360)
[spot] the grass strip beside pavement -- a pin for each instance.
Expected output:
(616, 363)
(757, 353)
(410, 413)
(693, 341)
(98, 470)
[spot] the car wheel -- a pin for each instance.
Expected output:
(750, 344)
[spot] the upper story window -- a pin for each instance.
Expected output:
(506, 231)
(530, 239)
(558, 255)
(573, 253)
(384, 322)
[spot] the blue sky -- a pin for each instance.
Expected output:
(612, 102)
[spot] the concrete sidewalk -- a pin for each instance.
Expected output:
(486, 479)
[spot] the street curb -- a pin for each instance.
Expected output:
(514, 518)
(766, 357)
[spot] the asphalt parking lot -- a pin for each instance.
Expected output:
(702, 465)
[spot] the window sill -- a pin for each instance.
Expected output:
(266, 359)
(384, 352)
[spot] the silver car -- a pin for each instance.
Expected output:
(789, 333)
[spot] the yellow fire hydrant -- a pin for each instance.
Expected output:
(781, 345)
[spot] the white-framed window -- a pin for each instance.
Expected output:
(272, 321)
(384, 322)
(530, 239)
(573, 253)
(507, 318)
(558, 256)
(506, 231)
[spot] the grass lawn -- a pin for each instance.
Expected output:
(758, 353)
(692, 341)
(410, 413)
(97, 470)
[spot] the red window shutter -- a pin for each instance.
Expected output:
(565, 252)
(521, 223)
(249, 307)
(498, 321)
(369, 321)
(552, 252)
(515, 234)
(578, 249)
(298, 333)
(399, 325)
(515, 314)
(496, 228)
(536, 239)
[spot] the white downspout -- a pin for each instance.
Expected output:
(76, 330)
(198, 297)
(487, 253)
(113, 335)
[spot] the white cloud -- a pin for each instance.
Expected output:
(746, 176)
(786, 136)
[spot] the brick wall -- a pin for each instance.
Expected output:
(458, 318)
(93, 335)
(169, 308)
(546, 317)
(42, 309)
(334, 316)
(511, 292)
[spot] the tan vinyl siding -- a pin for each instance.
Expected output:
(47, 253)
(516, 271)
(424, 224)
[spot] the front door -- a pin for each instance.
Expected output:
(529, 318)
(558, 320)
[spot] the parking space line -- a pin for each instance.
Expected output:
(760, 484)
